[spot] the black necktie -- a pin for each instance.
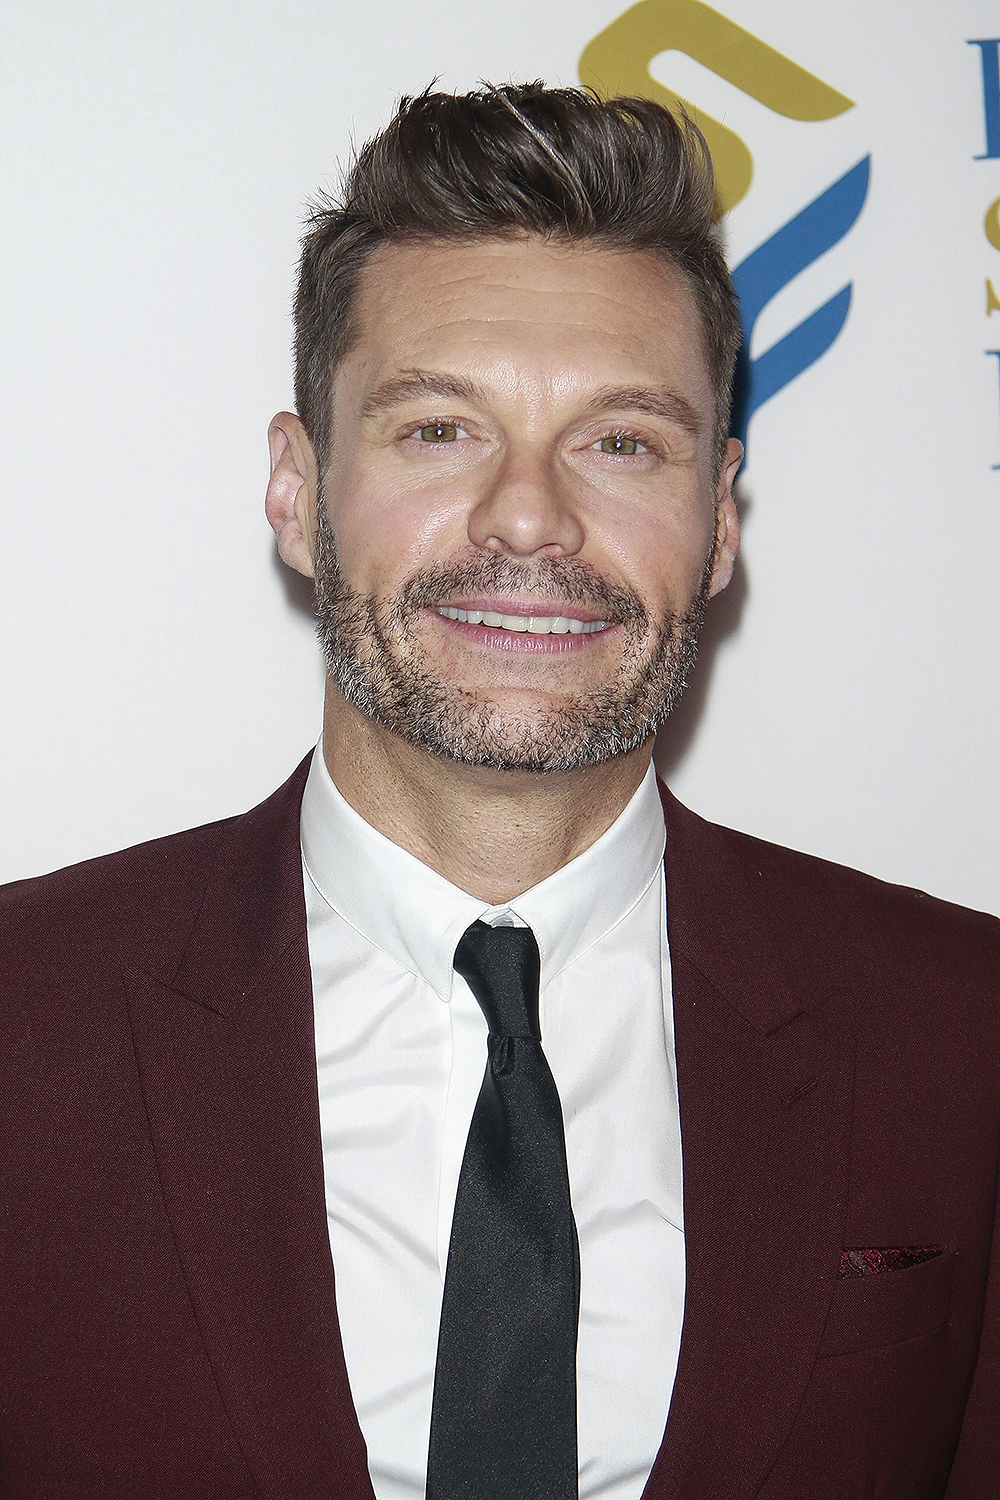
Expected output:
(503, 1422)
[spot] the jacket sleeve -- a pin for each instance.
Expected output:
(975, 1472)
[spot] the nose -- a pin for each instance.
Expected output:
(527, 511)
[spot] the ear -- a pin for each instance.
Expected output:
(727, 525)
(290, 504)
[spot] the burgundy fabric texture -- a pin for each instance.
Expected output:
(168, 1320)
(874, 1262)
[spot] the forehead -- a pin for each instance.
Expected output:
(527, 310)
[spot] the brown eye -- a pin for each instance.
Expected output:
(619, 444)
(439, 432)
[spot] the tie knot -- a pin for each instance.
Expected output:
(501, 967)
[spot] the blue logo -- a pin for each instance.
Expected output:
(617, 62)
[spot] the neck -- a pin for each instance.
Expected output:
(492, 833)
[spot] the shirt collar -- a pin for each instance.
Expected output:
(417, 917)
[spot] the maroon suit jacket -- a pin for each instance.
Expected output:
(168, 1322)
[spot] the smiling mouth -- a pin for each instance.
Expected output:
(530, 624)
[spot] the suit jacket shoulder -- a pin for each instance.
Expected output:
(139, 907)
(743, 905)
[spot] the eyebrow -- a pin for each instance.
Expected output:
(412, 384)
(655, 402)
(415, 383)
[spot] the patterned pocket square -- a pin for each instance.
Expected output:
(873, 1262)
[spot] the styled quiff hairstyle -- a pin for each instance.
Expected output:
(502, 163)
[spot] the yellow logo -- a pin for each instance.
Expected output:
(617, 62)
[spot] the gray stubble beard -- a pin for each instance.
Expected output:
(372, 656)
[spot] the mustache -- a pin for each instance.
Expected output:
(561, 579)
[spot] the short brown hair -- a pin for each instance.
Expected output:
(517, 160)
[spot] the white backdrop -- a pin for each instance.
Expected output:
(158, 668)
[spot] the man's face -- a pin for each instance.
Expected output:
(522, 501)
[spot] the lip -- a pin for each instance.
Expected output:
(524, 605)
(521, 642)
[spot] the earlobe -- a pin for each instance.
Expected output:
(290, 503)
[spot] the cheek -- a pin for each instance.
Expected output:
(386, 531)
(661, 551)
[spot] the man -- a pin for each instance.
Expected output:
(717, 1219)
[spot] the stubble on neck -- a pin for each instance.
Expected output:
(492, 833)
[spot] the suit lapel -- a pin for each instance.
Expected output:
(765, 1079)
(224, 1042)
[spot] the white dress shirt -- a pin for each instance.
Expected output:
(401, 1052)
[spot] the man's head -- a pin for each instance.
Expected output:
(509, 476)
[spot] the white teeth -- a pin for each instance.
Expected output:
(535, 624)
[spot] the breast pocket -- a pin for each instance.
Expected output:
(890, 1307)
